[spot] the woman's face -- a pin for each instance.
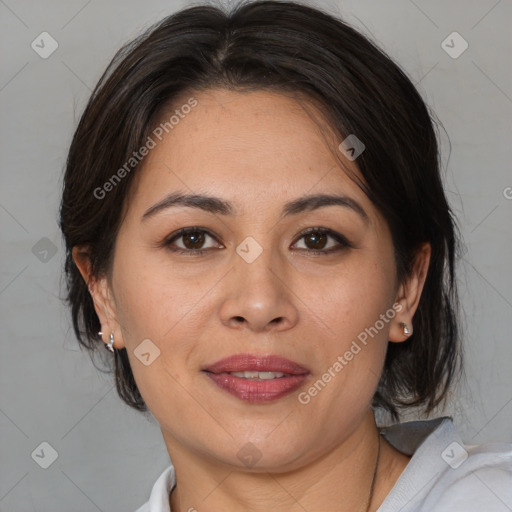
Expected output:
(255, 289)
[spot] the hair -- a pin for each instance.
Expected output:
(294, 49)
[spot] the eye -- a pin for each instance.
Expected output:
(316, 238)
(193, 240)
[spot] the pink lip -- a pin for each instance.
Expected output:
(255, 363)
(255, 391)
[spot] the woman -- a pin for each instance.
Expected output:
(256, 227)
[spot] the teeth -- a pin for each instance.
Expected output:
(258, 375)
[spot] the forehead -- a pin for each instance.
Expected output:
(257, 144)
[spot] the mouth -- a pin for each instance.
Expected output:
(250, 364)
(257, 379)
(257, 375)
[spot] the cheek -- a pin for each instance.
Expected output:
(354, 312)
(156, 304)
(151, 312)
(351, 298)
(150, 297)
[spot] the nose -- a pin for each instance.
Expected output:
(258, 296)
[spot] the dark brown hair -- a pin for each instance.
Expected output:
(291, 48)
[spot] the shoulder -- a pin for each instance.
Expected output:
(445, 474)
(477, 477)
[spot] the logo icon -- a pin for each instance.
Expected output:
(44, 250)
(146, 352)
(454, 455)
(454, 45)
(352, 147)
(249, 249)
(45, 455)
(44, 45)
(249, 454)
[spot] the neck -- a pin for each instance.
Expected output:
(338, 481)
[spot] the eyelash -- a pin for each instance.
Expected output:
(344, 243)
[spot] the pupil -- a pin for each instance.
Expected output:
(317, 239)
(199, 239)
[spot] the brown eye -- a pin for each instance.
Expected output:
(192, 241)
(315, 240)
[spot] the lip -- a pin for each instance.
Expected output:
(256, 363)
(257, 391)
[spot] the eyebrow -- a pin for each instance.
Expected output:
(216, 205)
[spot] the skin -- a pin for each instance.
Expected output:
(257, 150)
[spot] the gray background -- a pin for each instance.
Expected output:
(108, 455)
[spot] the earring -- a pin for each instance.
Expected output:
(110, 346)
(405, 328)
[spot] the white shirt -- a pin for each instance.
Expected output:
(443, 475)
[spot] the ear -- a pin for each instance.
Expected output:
(408, 296)
(102, 296)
